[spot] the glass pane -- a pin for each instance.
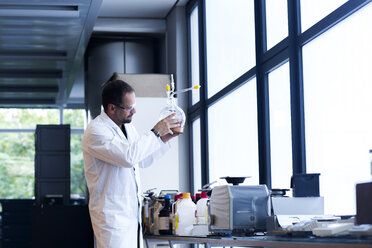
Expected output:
(276, 21)
(280, 127)
(27, 118)
(338, 103)
(230, 41)
(78, 185)
(196, 154)
(313, 11)
(17, 153)
(233, 150)
(194, 44)
(74, 117)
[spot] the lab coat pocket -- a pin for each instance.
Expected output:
(118, 212)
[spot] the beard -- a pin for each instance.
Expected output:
(120, 119)
(128, 119)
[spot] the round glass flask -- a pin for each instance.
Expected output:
(171, 108)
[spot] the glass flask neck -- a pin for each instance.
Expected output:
(171, 101)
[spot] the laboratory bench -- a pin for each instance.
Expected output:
(261, 241)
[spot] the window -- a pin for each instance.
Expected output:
(338, 103)
(76, 119)
(17, 153)
(78, 185)
(17, 149)
(194, 45)
(230, 41)
(196, 153)
(233, 142)
(27, 118)
(313, 11)
(280, 127)
(276, 21)
(330, 116)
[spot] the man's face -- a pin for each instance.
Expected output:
(125, 111)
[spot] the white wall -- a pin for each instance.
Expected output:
(177, 65)
(163, 174)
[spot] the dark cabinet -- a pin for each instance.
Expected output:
(52, 164)
(26, 225)
(61, 226)
(16, 223)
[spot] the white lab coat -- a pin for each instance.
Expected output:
(111, 171)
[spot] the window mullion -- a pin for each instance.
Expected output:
(296, 82)
(262, 96)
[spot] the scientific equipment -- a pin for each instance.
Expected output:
(235, 209)
(305, 185)
(172, 107)
(185, 216)
(202, 209)
(363, 203)
(332, 229)
(361, 230)
(165, 224)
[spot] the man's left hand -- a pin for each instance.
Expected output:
(168, 137)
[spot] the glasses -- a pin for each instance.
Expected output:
(127, 108)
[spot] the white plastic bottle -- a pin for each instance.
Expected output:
(201, 209)
(177, 200)
(185, 216)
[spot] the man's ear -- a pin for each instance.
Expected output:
(110, 108)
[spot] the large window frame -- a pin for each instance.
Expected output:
(74, 130)
(288, 49)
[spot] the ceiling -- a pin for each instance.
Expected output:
(137, 8)
(42, 44)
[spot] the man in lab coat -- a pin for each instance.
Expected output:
(113, 151)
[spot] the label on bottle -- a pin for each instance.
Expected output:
(163, 223)
(146, 207)
(177, 220)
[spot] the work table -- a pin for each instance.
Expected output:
(262, 241)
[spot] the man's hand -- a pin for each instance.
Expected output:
(164, 126)
(169, 136)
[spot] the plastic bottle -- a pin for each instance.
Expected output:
(201, 209)
(177, 199)
(185, 216)
(198, 196)
(165, 225)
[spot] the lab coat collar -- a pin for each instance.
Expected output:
(112, 124)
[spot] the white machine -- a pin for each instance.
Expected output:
(238, 209)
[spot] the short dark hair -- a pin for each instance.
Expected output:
(113, 92)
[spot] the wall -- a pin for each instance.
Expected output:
(139, 56)
(163, 174)
(158, 54)
(103, 58)
(177, 65)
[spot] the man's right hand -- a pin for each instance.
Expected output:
(164, 126)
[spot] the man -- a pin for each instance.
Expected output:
(113, 151)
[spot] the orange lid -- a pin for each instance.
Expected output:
(185, 195)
